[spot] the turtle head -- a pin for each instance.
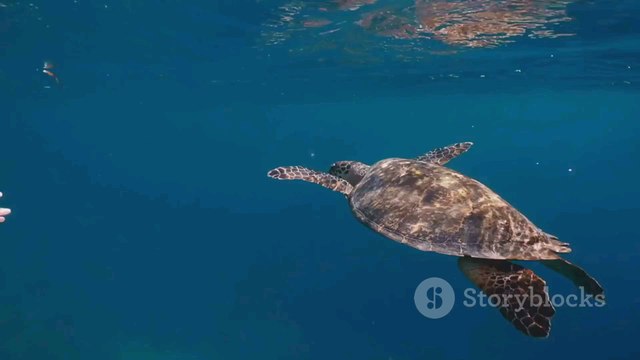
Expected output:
(352, 171)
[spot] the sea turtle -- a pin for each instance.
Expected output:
(421, 203)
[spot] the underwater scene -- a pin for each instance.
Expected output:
(319, 179)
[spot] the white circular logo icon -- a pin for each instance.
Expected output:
(434, 298)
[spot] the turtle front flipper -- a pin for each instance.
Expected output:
(302, 173)
(578, 276)
(445, 154)
(519, 293)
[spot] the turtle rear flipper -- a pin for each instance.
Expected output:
(577, 275)
(302, 173)
(519, 293)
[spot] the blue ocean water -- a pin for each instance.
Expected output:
(144, 225)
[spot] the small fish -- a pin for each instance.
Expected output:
(3, 212)
(46, 69)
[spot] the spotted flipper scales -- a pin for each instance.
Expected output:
(519, 293)
(301, 173)
(445, 154)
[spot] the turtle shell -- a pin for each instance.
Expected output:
(434, 208)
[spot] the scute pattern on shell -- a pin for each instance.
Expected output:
(433, 208)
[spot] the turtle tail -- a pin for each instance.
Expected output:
(558, 246)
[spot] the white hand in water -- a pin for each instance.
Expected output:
(3, 212)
